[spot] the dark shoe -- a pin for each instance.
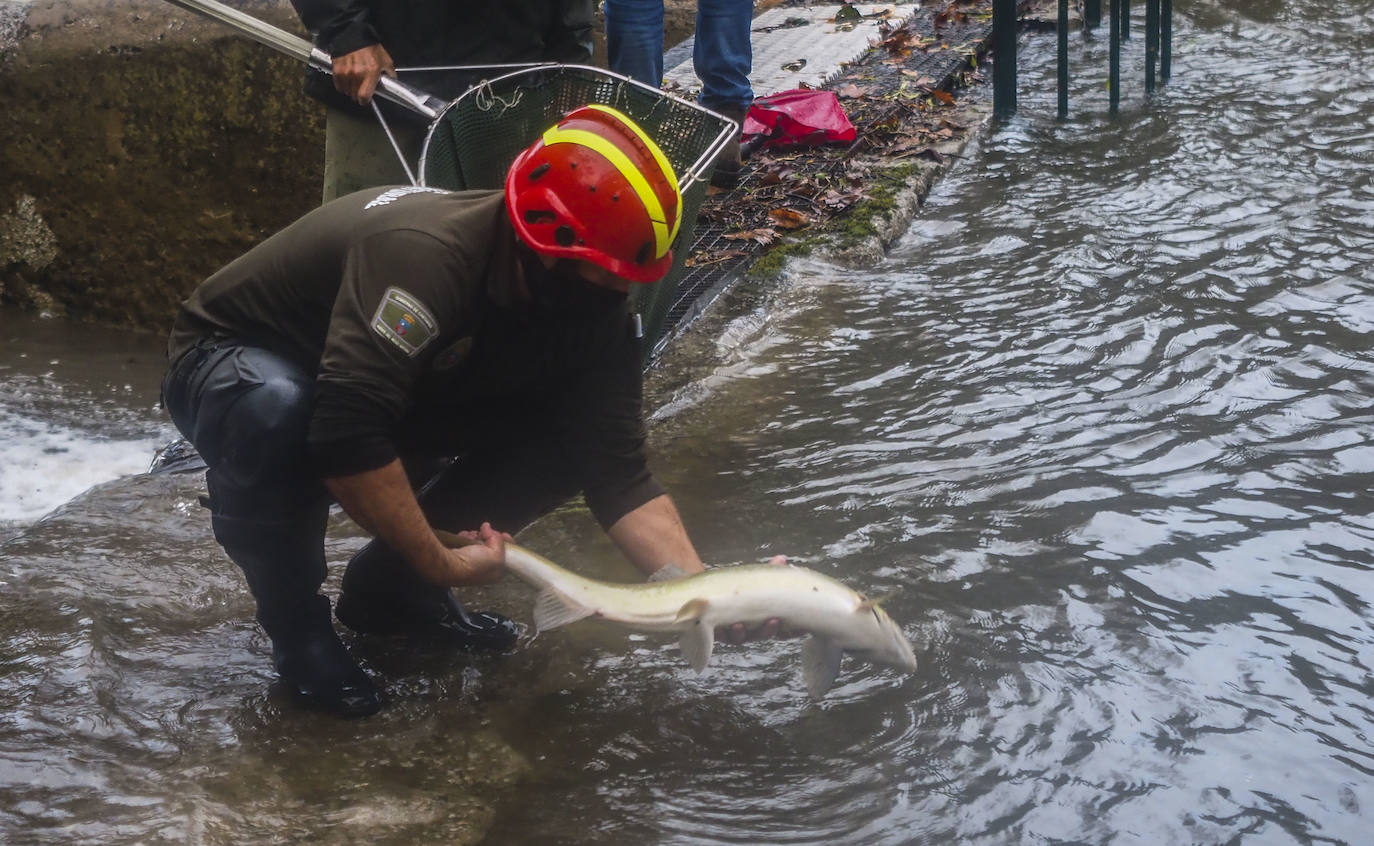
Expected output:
(318, 670)
(729, 165)
(382, 595)
(432, 614)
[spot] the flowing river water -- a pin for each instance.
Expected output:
(1100, 427)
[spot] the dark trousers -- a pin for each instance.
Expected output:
(247, 411)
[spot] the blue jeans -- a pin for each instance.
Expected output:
(722, 55)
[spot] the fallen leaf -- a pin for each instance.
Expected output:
(918, 77)
(840, 200)
(789, 218)
(852, 90)
(773, 177)
(943, 96)
(712, 257)
(762, 235)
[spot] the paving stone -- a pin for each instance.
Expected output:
(796, 46)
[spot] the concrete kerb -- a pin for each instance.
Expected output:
(861, 237)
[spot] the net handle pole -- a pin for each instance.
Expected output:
(426, 105)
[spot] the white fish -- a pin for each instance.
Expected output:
(837, 618)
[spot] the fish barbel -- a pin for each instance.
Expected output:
(838, 619)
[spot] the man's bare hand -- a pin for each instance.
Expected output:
(740, 633)
(356, 74)
(481, 562)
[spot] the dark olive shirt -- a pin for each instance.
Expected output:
(425, 33)
(405, 303)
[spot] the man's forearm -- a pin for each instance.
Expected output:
(382, 502)
(652, 537)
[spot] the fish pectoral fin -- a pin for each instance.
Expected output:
(553, 609)
(820, 665)
(697, 641)
(691, 611)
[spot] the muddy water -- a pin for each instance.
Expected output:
(1099, 426)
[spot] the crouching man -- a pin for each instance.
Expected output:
(430, 359)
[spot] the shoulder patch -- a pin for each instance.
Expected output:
(405, 322)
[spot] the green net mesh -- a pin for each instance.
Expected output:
(474, 141)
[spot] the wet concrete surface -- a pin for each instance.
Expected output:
(142, 148)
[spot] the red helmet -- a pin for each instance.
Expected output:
(595, 187)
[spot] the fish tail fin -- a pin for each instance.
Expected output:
(820, 665)
(553, 609)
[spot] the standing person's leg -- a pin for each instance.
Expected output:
(634, 39)
(723, 57)
(358, 154)
(247, 410)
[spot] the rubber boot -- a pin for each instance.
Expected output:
(729, 165)
(382, 595)
(283, 562)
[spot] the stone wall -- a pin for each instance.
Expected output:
(142, 147)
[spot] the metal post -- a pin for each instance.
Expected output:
(1092, 14)
(1166, 41)
(1004, 51)
(1063, 58)
(1151, 43)
(1125, 20)
(1114, 57)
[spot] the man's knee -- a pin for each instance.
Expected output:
(253, 419)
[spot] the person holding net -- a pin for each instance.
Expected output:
(353, 355)
(369, 38)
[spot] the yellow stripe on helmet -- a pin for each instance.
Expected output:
(663, 237)
(656, 152)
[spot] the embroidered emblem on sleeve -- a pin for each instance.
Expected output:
(405, 322)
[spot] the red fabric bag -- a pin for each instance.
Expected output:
(800, 117)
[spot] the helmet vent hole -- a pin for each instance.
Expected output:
(564, 236)
(644, 253)
(536, 216)
(540, 171)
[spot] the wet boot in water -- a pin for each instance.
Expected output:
(284, 564)
(382, 595)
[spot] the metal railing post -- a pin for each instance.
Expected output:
(1004, 51)
(1114, 58)
(1063, 58)
(1092, 14)
(1151, 43)
(1125, 20)
(1166, 40)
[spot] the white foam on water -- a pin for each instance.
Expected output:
(45, 464)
